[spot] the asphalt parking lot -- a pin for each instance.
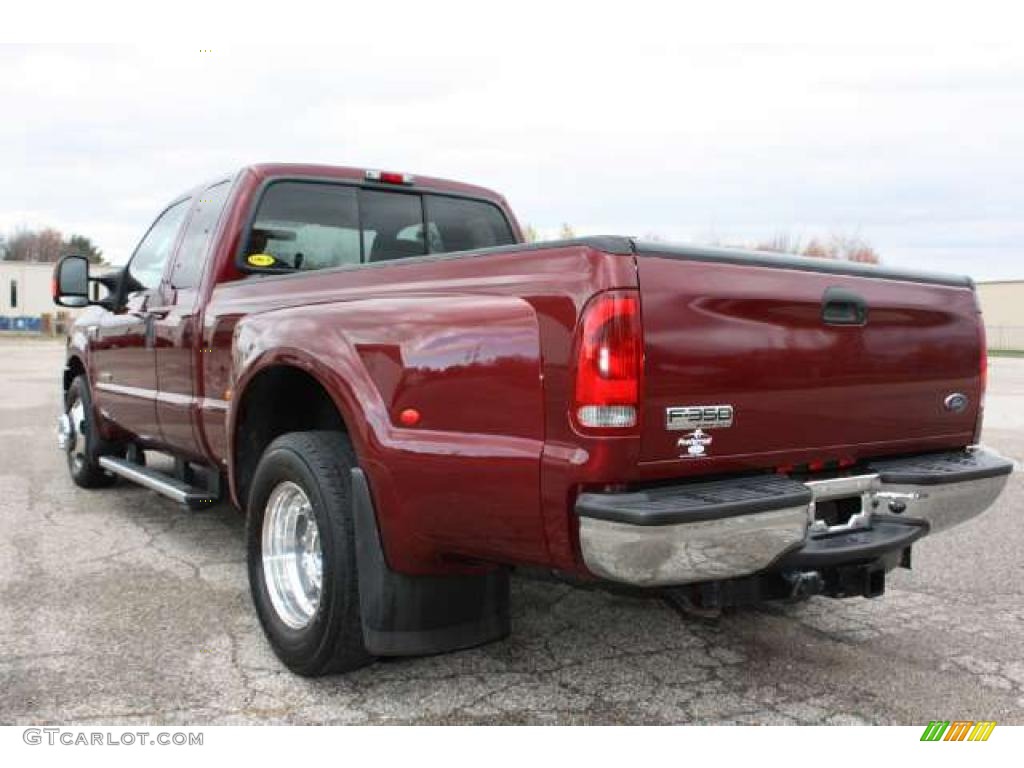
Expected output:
(118, 607)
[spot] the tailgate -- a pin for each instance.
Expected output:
(781, 341)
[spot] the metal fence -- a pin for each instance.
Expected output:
(1009, 337)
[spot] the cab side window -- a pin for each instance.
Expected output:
(305, 226)
(147, 265)
(195, 244)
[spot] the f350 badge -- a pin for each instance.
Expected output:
(695, 444)
(698, 417)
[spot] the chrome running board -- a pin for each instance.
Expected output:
(164, 484)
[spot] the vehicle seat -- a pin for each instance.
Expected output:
(459, 238)
(387, 248)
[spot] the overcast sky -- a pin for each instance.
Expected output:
(921, 152)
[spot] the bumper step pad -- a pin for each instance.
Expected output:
(694, 502)
(883, 537)
(941, 468)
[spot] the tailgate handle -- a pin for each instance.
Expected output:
(843, 307)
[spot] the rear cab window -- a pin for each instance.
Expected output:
(310, 225)
(457, 224)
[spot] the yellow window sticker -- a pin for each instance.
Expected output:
(261, 260)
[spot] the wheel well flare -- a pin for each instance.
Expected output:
(278, 400)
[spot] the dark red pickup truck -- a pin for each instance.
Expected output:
(406, 401)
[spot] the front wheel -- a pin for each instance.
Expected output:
(301, 553)
(82, 442)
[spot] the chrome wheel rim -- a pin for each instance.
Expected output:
(292, 558)
(76, 446)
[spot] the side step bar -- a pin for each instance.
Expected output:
(165, 485)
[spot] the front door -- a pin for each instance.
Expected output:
(176, 328)
(124, 354)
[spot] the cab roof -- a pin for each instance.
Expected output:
(270, 170)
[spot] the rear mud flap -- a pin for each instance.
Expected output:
(419, 615)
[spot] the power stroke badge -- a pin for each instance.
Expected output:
(695, 444)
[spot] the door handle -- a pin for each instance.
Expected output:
(153, 314)
(840, 306)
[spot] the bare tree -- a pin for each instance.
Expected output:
(838, 246)
(855, 249)
(84, 246)
(20, 245)
(781, 242)
(818, 250)
(48, 245)
(566, 232)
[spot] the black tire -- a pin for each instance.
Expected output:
(320, 464)
(84, 464)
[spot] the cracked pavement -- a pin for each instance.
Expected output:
(117, 606)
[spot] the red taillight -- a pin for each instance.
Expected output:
(609, 361)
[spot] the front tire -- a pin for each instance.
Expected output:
(301, 553)
(86, 445)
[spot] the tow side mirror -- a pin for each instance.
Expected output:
(71, 282)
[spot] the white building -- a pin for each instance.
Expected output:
(1002, 306)
(25, 301)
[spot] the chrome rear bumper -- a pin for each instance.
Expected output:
(709, 531)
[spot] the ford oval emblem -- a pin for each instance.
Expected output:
(957, 402)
